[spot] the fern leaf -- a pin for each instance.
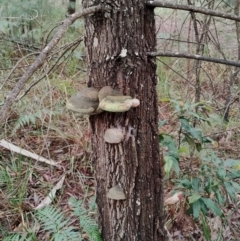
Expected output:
(53, 220)
(30, 118)
(67, 234)
(17, 237)
(23, 120)
(88, 224)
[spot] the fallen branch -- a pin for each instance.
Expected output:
(24, 152)
(193, 9)
(42, 56)
(194, 56)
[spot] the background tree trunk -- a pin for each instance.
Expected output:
(71, 6)
(126, 26)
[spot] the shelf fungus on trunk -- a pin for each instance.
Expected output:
(113, 135)
(85, 101)
(120, 103)
(116, 193)
(106, 91)
(93, 101)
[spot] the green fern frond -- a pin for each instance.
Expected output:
(87, 223)
(67, 234)
(53, 220)
(30, 118)
(23, 120)
(17, 237)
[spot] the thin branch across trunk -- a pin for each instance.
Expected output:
(194, 56)
(193, 9)
(42, 56)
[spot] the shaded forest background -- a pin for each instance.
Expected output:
(198, 125)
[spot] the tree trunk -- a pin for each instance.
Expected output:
(71, 6)
(117, 41)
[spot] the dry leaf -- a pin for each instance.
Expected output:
(48, 200)
(174, 199)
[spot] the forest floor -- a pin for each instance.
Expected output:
(66, 140)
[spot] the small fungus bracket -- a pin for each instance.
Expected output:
(113, 135)
(116, 193)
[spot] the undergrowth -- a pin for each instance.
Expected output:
(191, 137)
(58, 226)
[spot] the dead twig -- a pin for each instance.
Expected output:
(194, 56)
(24, 152)
(192, 8)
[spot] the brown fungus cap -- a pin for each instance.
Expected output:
(106, 91)
(84, 102)
(88, 94)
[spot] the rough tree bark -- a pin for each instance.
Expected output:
(117, 41)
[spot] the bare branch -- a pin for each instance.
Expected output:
(67, 47)
(42, 56)
(194, 56)
(192, 9)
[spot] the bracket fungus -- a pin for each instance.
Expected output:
(118, 103)
(89, 93)
(84, 102)
(106, 91)
(93, 101)
(113, 135)
(116, 193)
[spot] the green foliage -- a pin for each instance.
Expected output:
(206, 229)
(19, 237)
(163, 85)
(30, 25)
(30, 118)
(27, 19)
(198, 203)
(172, 157)
(208, 189)
(14, 178)
(213, 183)
(188, 118)
(54, 221)
(87, 223)
(63, 86)
(187, 133)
